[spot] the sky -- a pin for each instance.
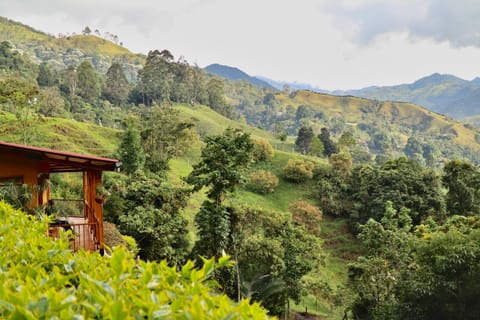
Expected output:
(331, 44)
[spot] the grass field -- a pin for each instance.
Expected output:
(61, 134)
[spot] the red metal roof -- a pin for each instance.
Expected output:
(58, 161)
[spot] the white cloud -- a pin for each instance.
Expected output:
(440, 20)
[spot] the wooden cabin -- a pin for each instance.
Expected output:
(32, 166)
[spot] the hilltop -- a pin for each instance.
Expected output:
(60, 52)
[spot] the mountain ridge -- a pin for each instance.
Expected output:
(235, 74)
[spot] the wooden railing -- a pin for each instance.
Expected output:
(87, 230)
(81, 234)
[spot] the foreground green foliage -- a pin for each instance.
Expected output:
(42, 279)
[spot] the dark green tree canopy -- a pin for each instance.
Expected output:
(46, 77)
(462, 180)
(329, 146)
(116, 87)
(402, 181)
(304, 139)
(303, 112)
(224, 159)
(151, 214)
(216, 97)
(164, 136)
(13, 62)
(155, 80)
(131, 151)
(88, 81)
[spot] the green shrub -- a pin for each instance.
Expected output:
(263, 150)
(42, 279)
(298, 170)
(262, 181)
(306, 215)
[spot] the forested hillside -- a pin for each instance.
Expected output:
(345, 206)
(380, 129)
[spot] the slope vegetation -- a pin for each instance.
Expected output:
(405, 118)
(442, 93)
(61, 134)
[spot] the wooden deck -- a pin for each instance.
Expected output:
(81, 230)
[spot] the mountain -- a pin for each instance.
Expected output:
(235, 74)
(441, 93)
(280, 85)
(62, 51)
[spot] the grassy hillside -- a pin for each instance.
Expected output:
(17, 32)
(406, 118)
(62, 134)
(209, 122)
(90, 45)
(341, 247)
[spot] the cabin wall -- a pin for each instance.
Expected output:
(11, 168)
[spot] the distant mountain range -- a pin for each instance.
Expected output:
(280, 85)
(442, 93)
(235, 74)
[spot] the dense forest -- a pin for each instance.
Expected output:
(265, 185)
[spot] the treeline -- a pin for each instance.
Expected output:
(81, 93)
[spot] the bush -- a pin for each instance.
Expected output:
(42, 279)
(262, 181)
(306, 215)
(298, 170)
(113, 238)
(263, 150)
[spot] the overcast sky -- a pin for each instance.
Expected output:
(332, 44)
